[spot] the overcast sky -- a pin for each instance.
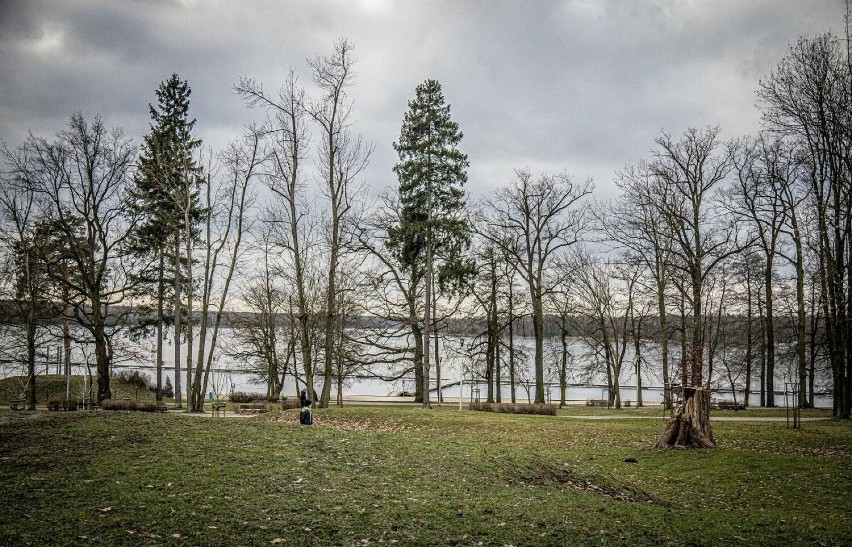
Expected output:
(582, 85)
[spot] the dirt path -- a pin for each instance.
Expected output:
(712, 418)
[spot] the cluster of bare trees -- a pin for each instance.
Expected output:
(725, 261)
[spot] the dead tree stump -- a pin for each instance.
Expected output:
(690, 427)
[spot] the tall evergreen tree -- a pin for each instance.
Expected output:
(433, 234)
(166, 194)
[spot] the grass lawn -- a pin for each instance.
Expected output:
(402, 475)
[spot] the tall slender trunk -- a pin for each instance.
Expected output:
(770, 335)
(437, 349)
(664, 337)
(31, 353)
(417, 334)
(762, 319)
(511, 342)
(563, 369)
(187, 227)
(637, 351)
(160, 304)
(749, 356)
(538, 328)
(801, 313)
(493, 340)
(66, 328)
(177, 386)
(331, 307)
(427, 316)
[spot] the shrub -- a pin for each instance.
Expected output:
(132, 405)
(62, 404)
(243, 397)
(535, 408)
(168, 389)
(288, 403)
(134, 378)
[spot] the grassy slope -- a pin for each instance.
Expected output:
(52, 386)
(397, 474)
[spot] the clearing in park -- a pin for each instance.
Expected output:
(367, 475)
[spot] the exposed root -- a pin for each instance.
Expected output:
(690, 427)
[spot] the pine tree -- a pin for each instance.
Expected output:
(166, 194)
(433, 234)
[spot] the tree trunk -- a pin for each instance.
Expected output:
(511, 343)
(661, 310)
(31, 353)
(417, 333)
(160, 303)
(690, 427)
(770, 338)
(749, 356)
(331, 310)
(538, 328)
(177, 386)
(102, 360)
(563, 370)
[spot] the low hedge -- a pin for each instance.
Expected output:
(244, 397)
(132, 405)
(509, 408)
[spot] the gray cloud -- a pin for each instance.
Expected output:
(584, 85)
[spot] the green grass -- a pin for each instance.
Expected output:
(370, 474)
(52, 386)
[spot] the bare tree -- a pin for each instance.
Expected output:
(344, 156)
(287, 129)
(23, 267)
(807, 98)
(693, 169)
(83, 176)
(226, 215)
(635, 223)
(531, 219)
(599, 314)
(263, 339)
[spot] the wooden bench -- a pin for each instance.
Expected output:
(597, 402)
(252, 408)
(730, 405)
(217, 407)
(18, 404)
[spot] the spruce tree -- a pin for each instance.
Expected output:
(166, 194)
(433, 235)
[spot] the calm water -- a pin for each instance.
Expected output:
(588, 384)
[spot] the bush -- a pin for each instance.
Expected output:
(168, 389)
(132, 405)
(243, 397)
(61, 404)
(134, 378)
(509, 408)
(288, 403)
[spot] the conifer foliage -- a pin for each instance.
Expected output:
(432, 171)
(165, 195)
(433, 234)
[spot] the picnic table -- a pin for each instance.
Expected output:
(217, 407)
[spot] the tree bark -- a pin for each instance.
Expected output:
(160, 304)
(690, 427)
(177, 386)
